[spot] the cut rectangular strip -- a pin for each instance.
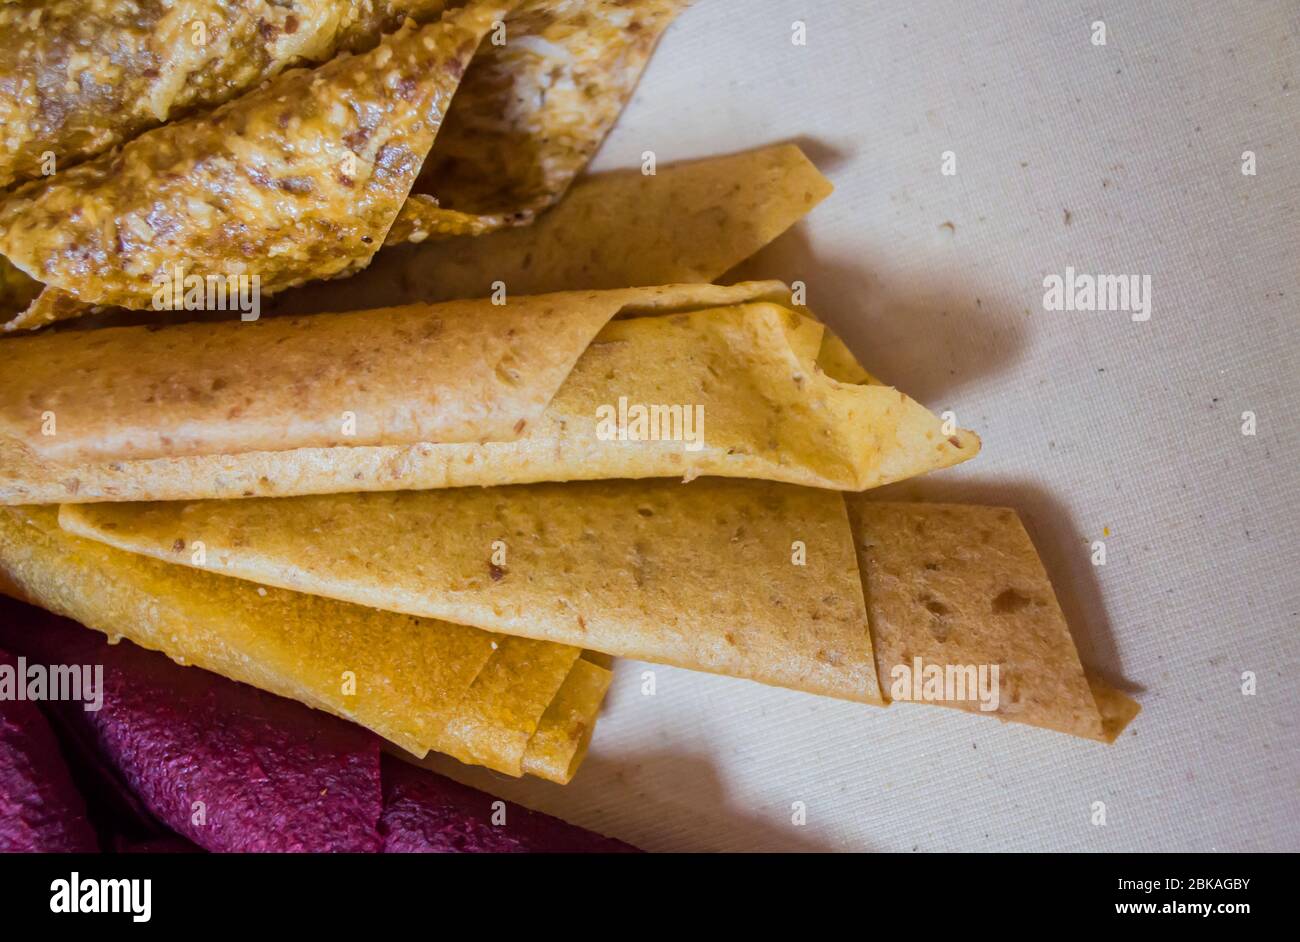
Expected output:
(703, 576)
(564, 733)
(732, 382)
(464, 371)
(500, 714)
(412, 676)
(747, 578)
(955, 589)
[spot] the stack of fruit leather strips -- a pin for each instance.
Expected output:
(760, 568)
(288, 503)
(305, 135)
(423, 687)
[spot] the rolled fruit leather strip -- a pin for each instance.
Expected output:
(746, 578)
(301, 177)
(454, 394)
(466, 371)
(413, 676)
(962, 586)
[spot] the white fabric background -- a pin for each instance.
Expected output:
(1089, 420)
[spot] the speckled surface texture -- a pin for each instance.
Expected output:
(1123, 158)
(1091, 423)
